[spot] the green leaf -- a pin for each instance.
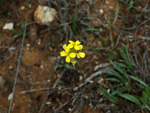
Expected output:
(125, 55)
(60, 81)
(121, 70)
(131, 98)
(116, 14)
(103, 43)
(138, 80)
(17, 35)
(110, 97)
(57, 66)
(117, 68)
(140, 85)
(75, 26)
(114, 99)
(111, 38)
(147, 91)
(112, 57)
(113, 79)
(118, 92)
(109, 22)
(121, 65)
(67, 66)
(15, 31)
(130, 5)
(113, 72)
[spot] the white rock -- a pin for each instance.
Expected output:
(10, 96)
(101, 11)
(44, 15)
(8, 26)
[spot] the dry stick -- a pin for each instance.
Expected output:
(42, 89)
(98, 73)
(17, 71)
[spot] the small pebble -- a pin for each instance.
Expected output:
(107, 2)
(41, 66)
(59, 88)
(69, 109)
(8, 26)
(81, 78)
(76, 88)
(11, 67)
(110, 7)
(10, 96)
(28, 45)
(22, 8)
(101, 80)
(48, 103)
(86, 97)
(39, 41)
(108, 90)
(29, 5)
(101, 11)
(91, 81)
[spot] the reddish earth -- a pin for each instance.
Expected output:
(41, 54)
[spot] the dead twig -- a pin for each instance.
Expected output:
(17, 71)
(98, 73)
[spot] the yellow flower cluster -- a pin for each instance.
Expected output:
(71, 51)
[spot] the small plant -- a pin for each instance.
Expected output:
(130, 3)
(19, 32)
(72, 50)
(119, 72)
(120, 82)
(75, 26)
(141, 101)
(62, 65)
(145, 99)
(111, 97)
(112, 24)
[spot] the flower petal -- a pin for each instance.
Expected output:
(64, 46)
(78, 56)
(68, 59)
(77, 42)
(73, 62)
(72, 55)
(71, 42)
(80, 46)
(77, 47)
(63, 53)
(82, 55)
(70, 45)
(67, 49)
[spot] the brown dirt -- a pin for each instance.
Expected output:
(39, 59)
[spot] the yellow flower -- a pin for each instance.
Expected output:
(73, 61)
(80, 55)
(67, 53)
(71, 51)
(77, 46)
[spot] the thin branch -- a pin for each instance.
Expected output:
(17, 71)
